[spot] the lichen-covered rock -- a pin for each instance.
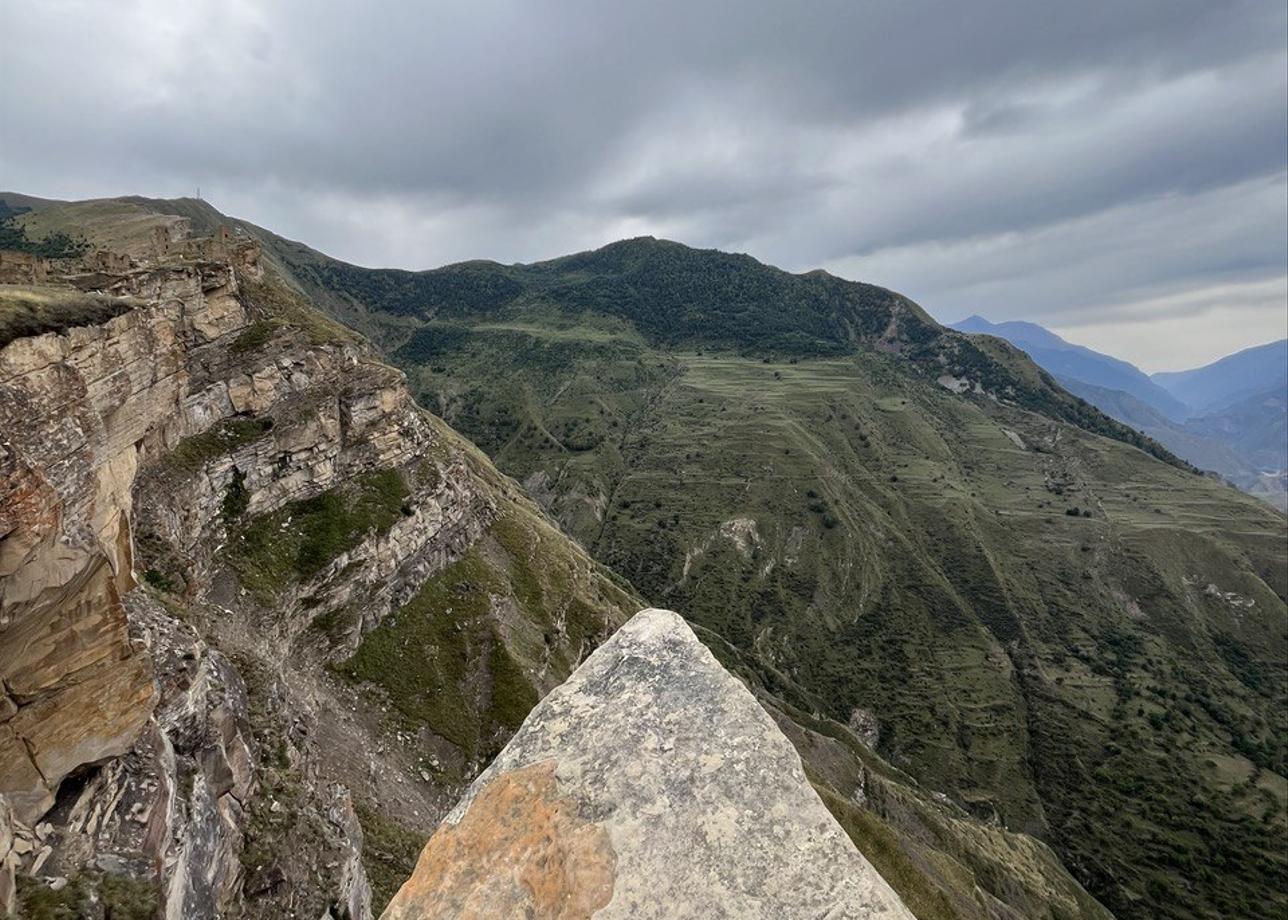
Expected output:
(651, 784)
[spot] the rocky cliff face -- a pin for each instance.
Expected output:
(651, 784)
(212, 501)
(79, 411)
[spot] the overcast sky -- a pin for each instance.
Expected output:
(1117, 171)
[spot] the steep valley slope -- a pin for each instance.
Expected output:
(886, 525)
(258, 607)
(264, 618)
(1232, 418)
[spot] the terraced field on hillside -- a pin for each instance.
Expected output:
(1044, 621)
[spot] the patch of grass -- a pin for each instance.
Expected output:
(389, 854)
(54, 245)
(236, 497)
(280, 305)
(512, 694)
(519, 543)
(908, 877)
(334, 624)
(195, 451)
(456, 660)
(300, 540)
(88, 894)
(422, 654)
(127, 898)
(159, 580)
(164, 568)
(253, 336)
(27, 311)
(37, 901)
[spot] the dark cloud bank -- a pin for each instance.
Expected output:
(1100, 167)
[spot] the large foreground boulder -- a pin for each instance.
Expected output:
(650, 785)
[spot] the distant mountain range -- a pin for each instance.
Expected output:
(1077, 362)
(1232, 380)
(1230, 416)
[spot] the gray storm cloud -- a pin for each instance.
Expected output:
(1091, 166)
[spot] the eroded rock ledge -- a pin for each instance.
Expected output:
(651, 784)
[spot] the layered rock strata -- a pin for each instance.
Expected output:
(78, 412)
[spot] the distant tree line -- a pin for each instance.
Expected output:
(13, 236)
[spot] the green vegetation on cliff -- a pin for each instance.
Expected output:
(55, 245)
(464, 656)
(36, 309)
(299, 540)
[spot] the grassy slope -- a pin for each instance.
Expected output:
(36, 309)
(1239, 442)
(1075, 676)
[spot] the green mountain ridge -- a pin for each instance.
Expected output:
(883, 524)
(676, 296)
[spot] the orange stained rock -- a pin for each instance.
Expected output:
(520, 850)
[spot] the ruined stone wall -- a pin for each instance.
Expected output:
(22, 268)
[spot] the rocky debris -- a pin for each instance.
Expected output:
(354, 891)
(742, 531)
(1014, 438)
(168, 812)
(865, 726)
(650, 784)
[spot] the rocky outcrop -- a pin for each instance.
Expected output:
(77, 411)
(651, 784)
(175, 802)
(103, 430)
(326, 415)
(86, 417)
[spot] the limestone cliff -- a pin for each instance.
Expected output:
(211, 502)
(78, 412)
(651, 784)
